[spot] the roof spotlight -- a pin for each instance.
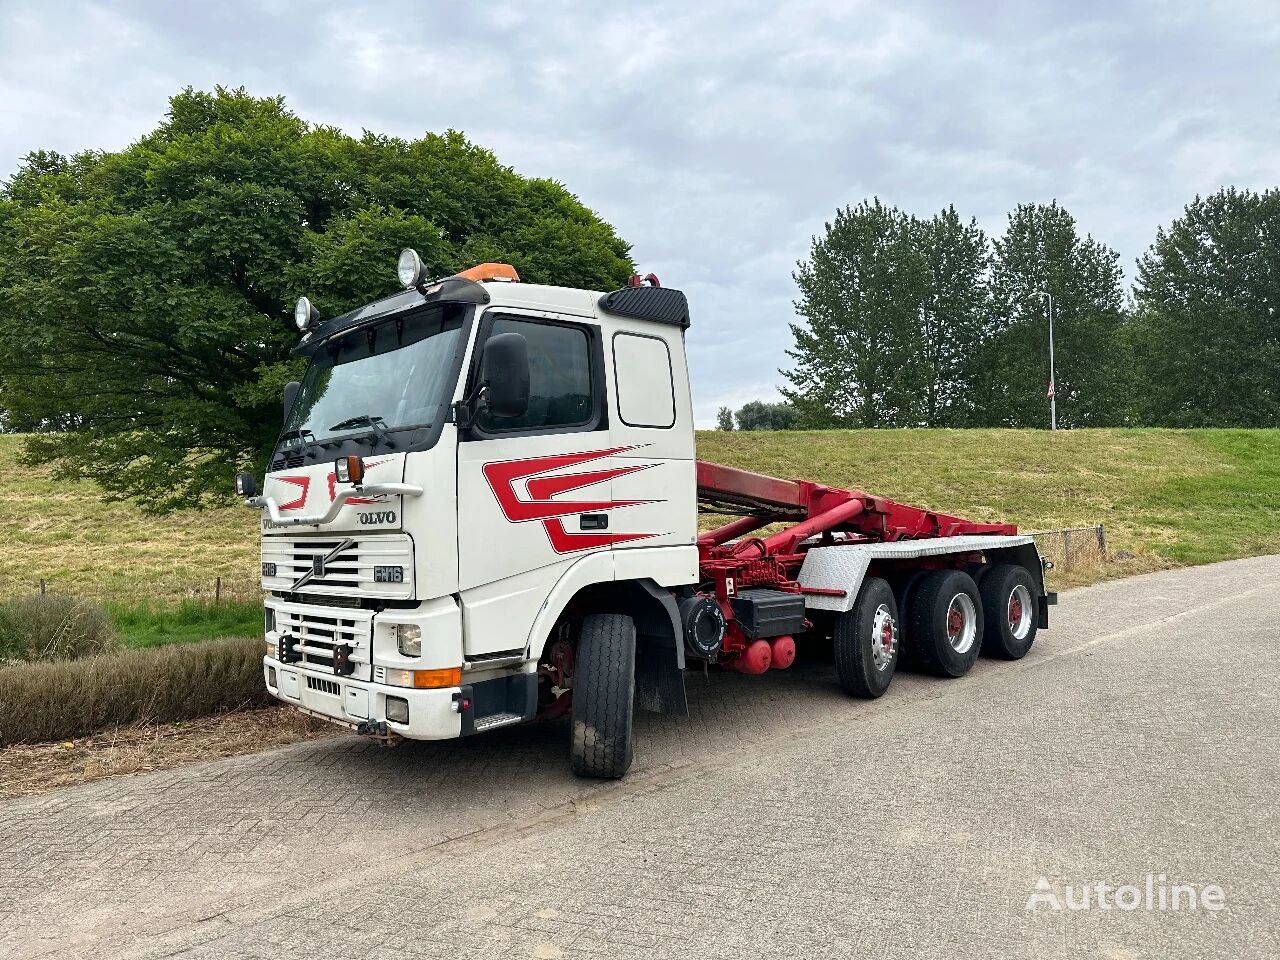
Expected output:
(305, 314)
(410, 269)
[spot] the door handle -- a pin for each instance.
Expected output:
(594, 521)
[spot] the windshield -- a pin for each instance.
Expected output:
(390, 376)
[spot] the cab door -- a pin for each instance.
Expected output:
(532, 490)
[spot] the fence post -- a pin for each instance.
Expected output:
(1066, 549)
(1102, 541)
(42, 586)
(217, 590)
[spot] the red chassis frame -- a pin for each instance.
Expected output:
(813, 510)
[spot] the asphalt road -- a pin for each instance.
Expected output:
(781, 819)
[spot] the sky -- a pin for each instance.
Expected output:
(716, 137)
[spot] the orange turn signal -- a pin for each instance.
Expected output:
(434, 679)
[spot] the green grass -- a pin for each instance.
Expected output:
(1183, 496)
(160, 624)
(1174, 496)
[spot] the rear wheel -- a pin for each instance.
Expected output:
(867, 640)
(603, 695)
(946, 622)
(1009, 609)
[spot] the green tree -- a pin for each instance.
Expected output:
(860, 295)
(954, 320)
(758, 415)
(1206, 330)
(895, 311)
(146, 295)
(724, 419)
(1042, 251)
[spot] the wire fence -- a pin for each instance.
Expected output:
(1072, 548)
(215, 589)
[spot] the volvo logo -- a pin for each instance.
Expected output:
(318, 564)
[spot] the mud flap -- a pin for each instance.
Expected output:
(660, 655)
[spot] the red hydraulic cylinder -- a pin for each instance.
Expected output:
(732, 530)
(785, 541)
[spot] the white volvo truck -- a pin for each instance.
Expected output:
(483, 509)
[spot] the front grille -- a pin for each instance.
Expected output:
(347, 570)
(350, 603)
(331, 687)
(316, 635)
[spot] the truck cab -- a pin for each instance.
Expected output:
(461, 462)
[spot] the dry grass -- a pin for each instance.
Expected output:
(81, 544)
(60, 700)
(39, 768)
(1169, 496)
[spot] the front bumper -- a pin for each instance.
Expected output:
(433, 714)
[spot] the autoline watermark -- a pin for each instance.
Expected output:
(1155, 892)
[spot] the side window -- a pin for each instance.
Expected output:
(559, 377)
(642, 372)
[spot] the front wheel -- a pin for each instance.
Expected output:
(603, 694)
(867, 640)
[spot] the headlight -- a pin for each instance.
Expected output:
(409, 268)
(304, 314)
(409, 639)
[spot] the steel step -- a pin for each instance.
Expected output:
(496, 720)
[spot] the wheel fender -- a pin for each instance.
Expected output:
(592, 569)
(660, 663)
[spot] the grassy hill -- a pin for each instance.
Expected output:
(1166, 496)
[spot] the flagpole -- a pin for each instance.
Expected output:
(1053, 381)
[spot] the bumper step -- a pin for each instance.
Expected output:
(496, 720)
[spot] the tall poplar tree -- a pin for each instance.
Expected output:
(1206, 332)
(1041, 252)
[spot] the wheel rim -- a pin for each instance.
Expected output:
(962, 623)
(884, 638)
(1019, 612)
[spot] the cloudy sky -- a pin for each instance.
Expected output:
(717, 137)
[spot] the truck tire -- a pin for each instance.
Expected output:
(1009, 609)
(868, 641)
(603, 694)
(904, 591)
(946, 622)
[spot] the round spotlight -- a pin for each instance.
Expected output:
(304, 314)
(409, 268)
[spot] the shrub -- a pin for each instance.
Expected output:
(54, 627)
(70, 698)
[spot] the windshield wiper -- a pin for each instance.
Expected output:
(374, 422)
(362, 420)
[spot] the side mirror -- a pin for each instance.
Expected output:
(506, 369)
(290, 394)
(246, 486)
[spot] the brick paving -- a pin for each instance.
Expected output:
(781, 819)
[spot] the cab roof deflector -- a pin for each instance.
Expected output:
(659, 304)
